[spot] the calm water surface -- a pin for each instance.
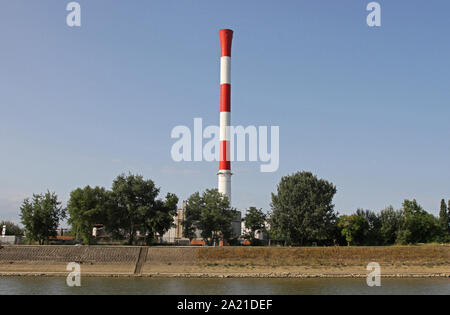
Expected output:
(57, 285)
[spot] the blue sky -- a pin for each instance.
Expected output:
(367, 109)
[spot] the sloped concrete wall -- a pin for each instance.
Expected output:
(97, 254)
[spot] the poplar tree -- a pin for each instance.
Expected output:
(444, 219)
(41, 215)
(303, 209)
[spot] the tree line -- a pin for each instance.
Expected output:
(302, 213)
(132, 205)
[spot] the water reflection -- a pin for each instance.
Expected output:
(54, 286)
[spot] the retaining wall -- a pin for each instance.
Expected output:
(94, 254)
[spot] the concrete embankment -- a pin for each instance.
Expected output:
(53, 260)
(395, 261)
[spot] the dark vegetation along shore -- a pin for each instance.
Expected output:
(395, 261)
(302, 214)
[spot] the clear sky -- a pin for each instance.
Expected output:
(367, 109)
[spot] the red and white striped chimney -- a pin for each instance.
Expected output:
(224, 174)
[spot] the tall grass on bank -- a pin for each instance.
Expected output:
(411, 255)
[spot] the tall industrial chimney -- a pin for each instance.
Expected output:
(224, 174)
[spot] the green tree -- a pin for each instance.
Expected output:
(159, 219)
(87, 207)
(134, 207)
(391, 222)
(418, 225)
(372, 235)
(354, 228)
(41, 216)
(446, 236)
(302, 209)
(11, 228)
(210, 214)
(255, 220)
(192, 216)
(444, 218)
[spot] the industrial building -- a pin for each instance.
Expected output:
(175, 234)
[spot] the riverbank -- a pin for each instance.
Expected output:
(226, 262)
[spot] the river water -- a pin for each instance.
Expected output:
(58, 286)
